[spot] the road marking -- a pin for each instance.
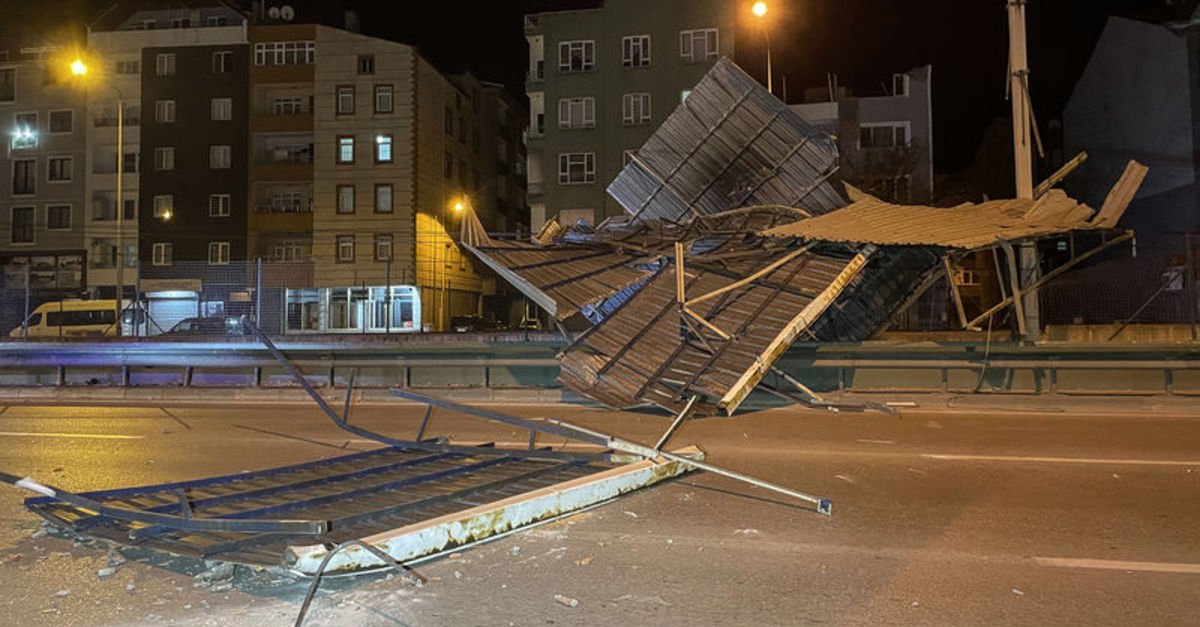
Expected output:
(1062, 460)
(1150, 567)
(84, 436)
(878, 441)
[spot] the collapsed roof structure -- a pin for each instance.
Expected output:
(740, 239)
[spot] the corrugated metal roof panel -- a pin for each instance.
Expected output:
(730, 144)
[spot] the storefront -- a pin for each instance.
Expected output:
(353, 310)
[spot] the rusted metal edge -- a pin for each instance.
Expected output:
(414, 541)
(803, 320)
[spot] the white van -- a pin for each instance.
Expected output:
(76, 318)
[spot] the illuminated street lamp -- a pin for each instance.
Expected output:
(759, 9)
(80, 69)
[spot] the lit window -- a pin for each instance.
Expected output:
(383, 149)
(164, 207)
(345, 153)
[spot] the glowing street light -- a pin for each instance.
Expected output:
(759, 9)
(79, 68)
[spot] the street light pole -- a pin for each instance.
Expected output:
(760, 9)
(120, 209)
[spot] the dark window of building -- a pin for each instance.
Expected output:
(345, 100)
(25, 176)
(22, 225)
(58, 217)
(222, 62)
(366, 64)
(59, 169)
(383, 198)
(8, 84)
(62, 121)
(345, 248)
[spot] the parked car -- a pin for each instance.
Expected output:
(472, 324)
(208, 326)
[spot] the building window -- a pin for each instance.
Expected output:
(59, 169)
(220, 157)
(383, 99)
(345, 199)
(164, 64)
(222, 62)
(383, 247)
(285, 53)
(345, 149)
(58, 217)
(164, 111)
(577, 112)
(635, 51)
(130, 66)
(345, 100)
(164, 158)
(25, 176)
(214, 20)
(383, 148)
(576, 168)
(8, 84)
(164, 207)
(130, 208)
(288, 250)
(62, 121)
(181, 22)
(218, 205)
(635, 108)
(162, 254)
(883, 135)
(222, 108)
(366, 64)
(289, 105)
(576, 56)
(383, 198)
(345, 248)
(698, 45)
(218, 253)
(448, 169)
(449, 122)
(22, 225)
(900, 84)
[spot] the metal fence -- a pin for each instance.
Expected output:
(199, 298)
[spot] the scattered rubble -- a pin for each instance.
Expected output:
(566, 600)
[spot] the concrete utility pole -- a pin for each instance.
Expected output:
(1022, 119)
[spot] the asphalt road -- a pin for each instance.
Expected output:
(943, 516)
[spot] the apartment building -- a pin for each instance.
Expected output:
(600, 81)
(144, 63)
(42, 202)
(885, 140)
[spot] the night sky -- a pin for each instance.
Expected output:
(862, 41)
